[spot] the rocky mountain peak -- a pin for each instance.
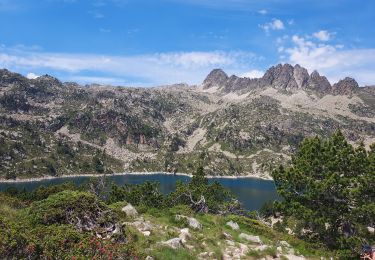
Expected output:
(217, 77)
(345, 86)
(282, 76)
(301, 76)
(319, 83)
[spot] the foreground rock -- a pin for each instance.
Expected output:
(174, 243)
(233, 225)
(143, 226)
(130, 211)
(235, 252)
(192, 222)
(184, 235)
(250, 238)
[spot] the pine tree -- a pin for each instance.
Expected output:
(329, 189)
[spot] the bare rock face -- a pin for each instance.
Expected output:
(319, 83)
(217, 77)
(281, 77)
(345, 86)
(301, 76)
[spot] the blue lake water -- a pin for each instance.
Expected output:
(251, 192)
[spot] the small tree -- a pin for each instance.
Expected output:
(201, 195)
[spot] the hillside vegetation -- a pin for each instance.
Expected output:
(327, 210)
(232, 125)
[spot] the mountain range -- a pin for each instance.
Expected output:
(230, 125)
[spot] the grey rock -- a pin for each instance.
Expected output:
(345, 86)
(233, 225)
(173, 243)
(130, 211)
(217, 77)
(281, 77)
(318, 83)
(192, 222)
(301, 76)
(250, 238)
(184, 235)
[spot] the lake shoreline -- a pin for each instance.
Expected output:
(128, 173)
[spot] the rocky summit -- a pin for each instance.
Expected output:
(231, 125)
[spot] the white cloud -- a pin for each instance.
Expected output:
(151, 69)
(335, 62)
(253, 74)
(31, 75)
(263, 11)
(275, 24)
(323, 35)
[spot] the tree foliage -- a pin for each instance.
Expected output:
(330, 189)
(203, 196)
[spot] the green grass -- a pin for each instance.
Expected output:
(16, 218)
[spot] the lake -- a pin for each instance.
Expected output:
(251, 192)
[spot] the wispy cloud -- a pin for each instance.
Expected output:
(151, 69)
(323, 35)
(275, 24)
(253, 74)
(263, 11)
(335, 61)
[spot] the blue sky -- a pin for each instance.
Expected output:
(155, 42)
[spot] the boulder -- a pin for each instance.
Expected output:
(192, 222)
(184, 235)
(233, 225)
(250, 238)
(173, 243)
(130, 211)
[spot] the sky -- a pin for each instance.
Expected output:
(159, 42)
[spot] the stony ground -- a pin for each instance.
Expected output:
(178, 233)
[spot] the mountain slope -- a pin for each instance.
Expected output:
(231, 125)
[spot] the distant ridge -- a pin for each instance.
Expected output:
(281, 76)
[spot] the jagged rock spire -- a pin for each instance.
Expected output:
(217, 77)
